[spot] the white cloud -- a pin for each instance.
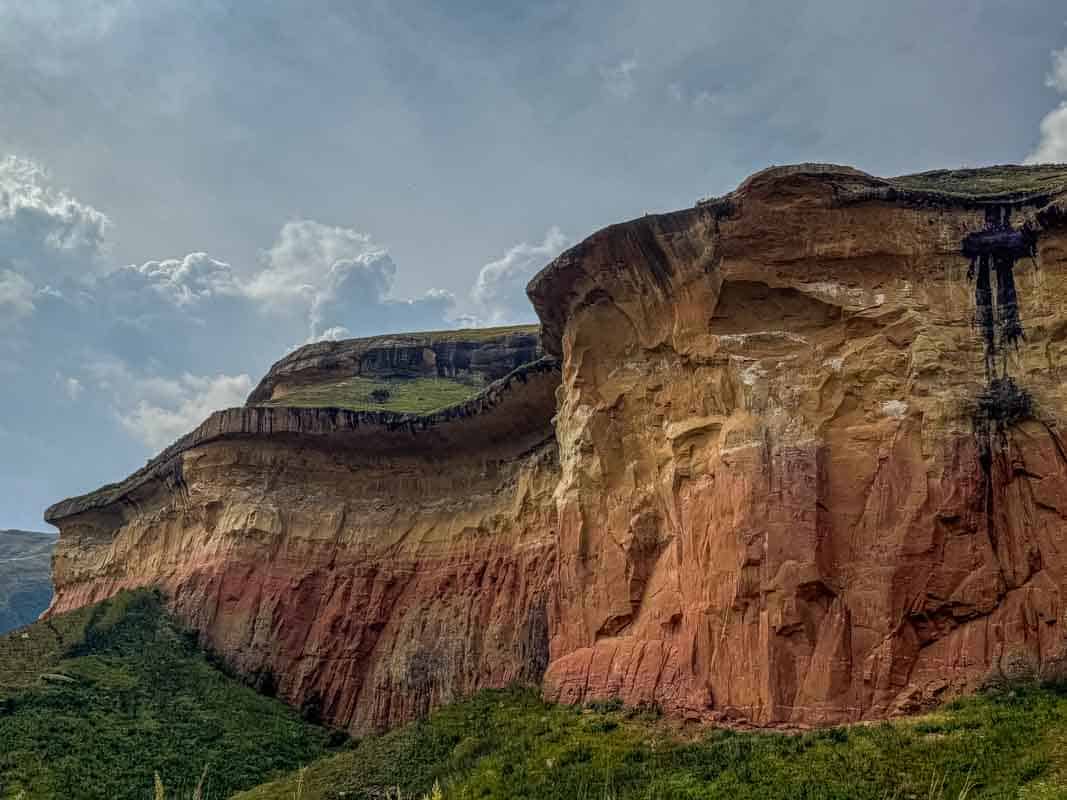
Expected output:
(158, 410)
(619, 79)
(500, 291)
(16, 297)
(194, 278)
(1057, 79)
(44, 231)
(72, 387)
(315, 266)
(1052, 148)
(334, 334)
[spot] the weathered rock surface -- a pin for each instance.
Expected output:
(806, 466)
(363, 565)
(489, 354)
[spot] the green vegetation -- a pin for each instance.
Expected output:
(469, 334)
(508, 744)
(95, 702)
(401, 395)
(25, 576)
(988, 181)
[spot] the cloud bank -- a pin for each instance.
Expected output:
(1052, 149)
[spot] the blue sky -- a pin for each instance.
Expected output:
(190, 189)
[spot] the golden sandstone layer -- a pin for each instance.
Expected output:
(800, 462)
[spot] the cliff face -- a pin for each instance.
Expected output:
(805, 467)
(812, 469)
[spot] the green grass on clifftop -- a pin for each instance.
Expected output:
(988, 181)
(508, 744)
(94, 702)
(400, 395)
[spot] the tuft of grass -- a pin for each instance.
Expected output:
(402, 395)
(509, 744)
(98, 702)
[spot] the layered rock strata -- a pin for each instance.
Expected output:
(364, 566)
(488, 354)
(806, 466)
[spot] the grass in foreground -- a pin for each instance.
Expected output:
(508, 744)
(401, 395)
(95, 702)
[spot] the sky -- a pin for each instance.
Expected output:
(189, 190)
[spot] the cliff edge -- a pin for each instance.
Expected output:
(795, 457)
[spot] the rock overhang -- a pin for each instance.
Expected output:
(658, 241)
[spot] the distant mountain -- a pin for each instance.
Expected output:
(25, 576)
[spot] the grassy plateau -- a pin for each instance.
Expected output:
(401, 395)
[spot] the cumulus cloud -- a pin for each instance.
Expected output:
(1053, 145)
(175, 407)
(500, 290)
(619, 78)
(313, 266)
(44, 231)
(157, 409)
(1057, 79)
(190, 280)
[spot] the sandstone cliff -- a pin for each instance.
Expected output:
(805, 466)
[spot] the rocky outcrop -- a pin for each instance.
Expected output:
(488, 354)
(805, 466)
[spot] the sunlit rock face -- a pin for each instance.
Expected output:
(799, 462)
(363, 566)
(792, 487)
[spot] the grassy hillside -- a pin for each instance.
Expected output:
(403, 395)
(25, 576)
(94, 702)
(508, 744)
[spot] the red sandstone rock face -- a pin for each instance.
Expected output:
(787, 483)
(773, 504)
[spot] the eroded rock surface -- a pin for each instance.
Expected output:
(781, 499)
(488, 354)
(791, 478)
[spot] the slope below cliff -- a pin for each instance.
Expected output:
(799, 461)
